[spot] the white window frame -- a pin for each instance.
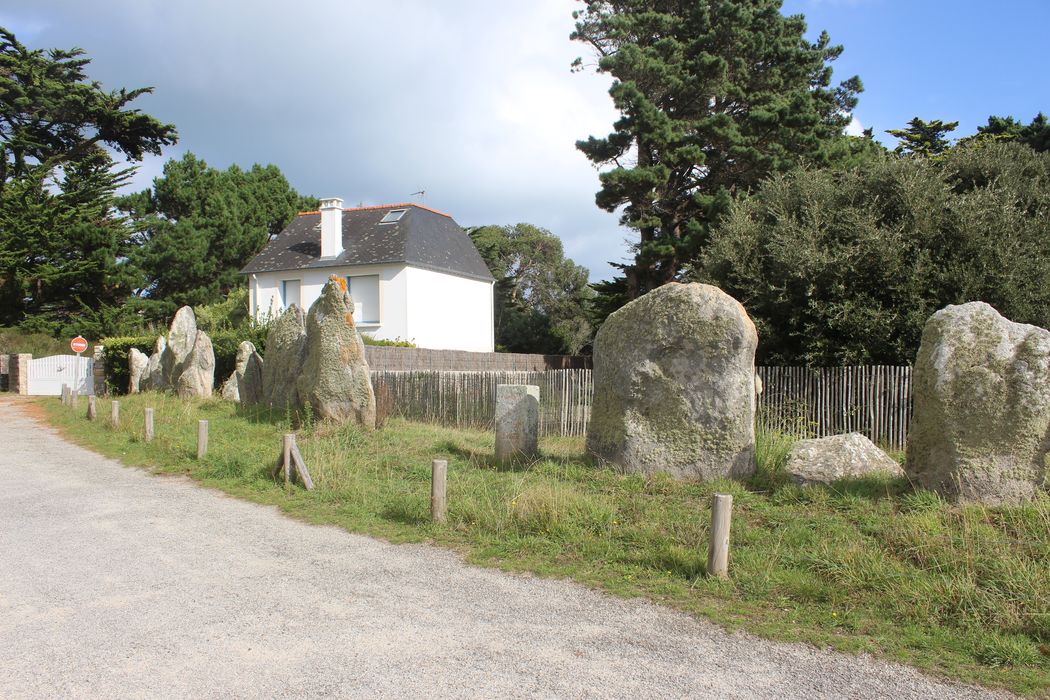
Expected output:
(379, 297)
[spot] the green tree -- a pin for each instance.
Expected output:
(845, 267)
(541, 296)
(199, 226)
(923, 138)
(63, 247)
(713, 97)
(1036, 135)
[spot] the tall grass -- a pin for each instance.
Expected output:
(868, 566)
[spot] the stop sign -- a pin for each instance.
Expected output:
(78, 344)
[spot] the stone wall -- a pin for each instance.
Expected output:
(393, 359)
(18, 373)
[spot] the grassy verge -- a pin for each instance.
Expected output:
(868, 566)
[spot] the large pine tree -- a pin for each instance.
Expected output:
(714, 95)
(63, 247)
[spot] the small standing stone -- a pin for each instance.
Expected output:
(137, 364)
(517, 421)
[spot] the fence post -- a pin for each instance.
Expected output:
(148, 416)
(114, 414)
(438, 478)
(289, 440)
(202, 438)
(91, 409)
(718, 549)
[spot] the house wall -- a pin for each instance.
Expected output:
(449, 312)
(264, 291)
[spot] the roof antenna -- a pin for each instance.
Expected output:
(422, 195)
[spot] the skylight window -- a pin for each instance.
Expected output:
(392, 216)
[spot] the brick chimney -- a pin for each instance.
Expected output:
(331, 227)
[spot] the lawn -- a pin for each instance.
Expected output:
(869, 566)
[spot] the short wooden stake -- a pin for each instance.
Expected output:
(300, 467)
(65, 394)
(202, 438)
(718, 549)
(148, 415)
(114, 414)
(438, 479)
(73, 396)
(92, 411)
(286, 461)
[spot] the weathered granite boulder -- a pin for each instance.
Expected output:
(829, 459)
(335, 380)
(980, 430)
(248, 361)
(195, 374)
(137, 364)
(153, 378)
(674, 385)
(285, 353)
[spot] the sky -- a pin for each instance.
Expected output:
(473, 101)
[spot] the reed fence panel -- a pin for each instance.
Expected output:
(801, 401)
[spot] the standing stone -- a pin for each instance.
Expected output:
(335, 379)
(182, 336)
(194, 376)
(980, 430)
(285, 352)
(674, 385)
(830, 459)
(250, 384)
(232, 388)
(517, 421)
(137, 364)
(153, 378)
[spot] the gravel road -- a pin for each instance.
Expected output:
(117, 583)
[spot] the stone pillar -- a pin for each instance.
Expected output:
(517, 421)
(18, 373)
(99, 370)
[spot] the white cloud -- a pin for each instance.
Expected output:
(855, 128)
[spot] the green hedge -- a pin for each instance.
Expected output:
(224, 343)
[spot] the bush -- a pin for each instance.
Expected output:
(846, 267)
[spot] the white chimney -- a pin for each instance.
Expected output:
(331, 227)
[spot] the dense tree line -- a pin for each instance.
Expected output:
(77, 257)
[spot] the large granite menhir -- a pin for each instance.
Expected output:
(245, 384)
(980, 430)
(334, 378)
(674, 385)
(183, 362)
(285, 352)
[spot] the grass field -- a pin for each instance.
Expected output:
(869, 566)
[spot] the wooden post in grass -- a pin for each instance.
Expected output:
(114, 414)
(438, 477)
(148, 415)
(65, 394)
(92, 411)
(718, 549)
(286, 461)
(202, 438)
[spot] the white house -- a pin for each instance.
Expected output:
(413, 273)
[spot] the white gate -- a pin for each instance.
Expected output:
(48, 374)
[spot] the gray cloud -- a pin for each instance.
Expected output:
(471, 100)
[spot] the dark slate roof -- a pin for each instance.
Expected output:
(422, 237)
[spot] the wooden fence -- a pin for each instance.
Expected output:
(801, 401)
(819, 401)
(468, 399)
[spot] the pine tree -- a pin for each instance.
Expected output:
(713, 97)
(923, 138)
(63, 247)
